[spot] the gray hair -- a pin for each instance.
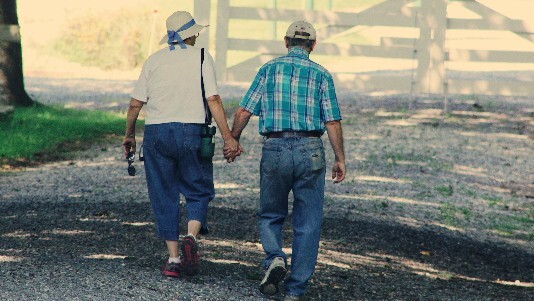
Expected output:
(291, 42)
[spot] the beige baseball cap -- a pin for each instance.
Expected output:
(184, 24)
(305, 30)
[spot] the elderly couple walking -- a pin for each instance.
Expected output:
(296, 102)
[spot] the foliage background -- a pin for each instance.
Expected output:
(108, 40)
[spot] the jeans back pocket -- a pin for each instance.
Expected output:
(317, 160)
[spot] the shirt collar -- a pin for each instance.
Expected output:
(298, 52)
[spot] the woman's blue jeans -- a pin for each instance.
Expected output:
(173, 167)
(298, 165)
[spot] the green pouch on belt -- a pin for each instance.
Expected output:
(207, 146)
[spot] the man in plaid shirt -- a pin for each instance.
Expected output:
(296, 102)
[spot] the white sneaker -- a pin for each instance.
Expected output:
(275, 273)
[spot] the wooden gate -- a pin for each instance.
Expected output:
(428, 50)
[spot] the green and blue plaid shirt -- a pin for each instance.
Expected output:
(292, 93)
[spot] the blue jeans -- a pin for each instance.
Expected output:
(296, 164)
(173, 167)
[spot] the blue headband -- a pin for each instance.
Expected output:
(174, 35)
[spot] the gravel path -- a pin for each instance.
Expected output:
(433, 209)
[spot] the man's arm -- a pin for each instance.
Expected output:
(231, 147)
(335, 135)
(129, 143)
(241, 119)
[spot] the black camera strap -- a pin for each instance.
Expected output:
(206, 107)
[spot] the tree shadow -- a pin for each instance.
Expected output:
(360, 258)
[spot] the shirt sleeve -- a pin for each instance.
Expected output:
(329, 105)
(208, 72)
(140, 91)
(251, 100)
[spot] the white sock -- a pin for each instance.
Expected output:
(194, 237)
(174, 259)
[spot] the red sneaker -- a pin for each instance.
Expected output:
(189, 259)
(170, 269)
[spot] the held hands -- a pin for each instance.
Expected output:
(232, 149)
(338, 171)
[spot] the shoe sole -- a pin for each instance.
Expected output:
(270, 286)
(167, 273)
(189, 251)
(171, 274)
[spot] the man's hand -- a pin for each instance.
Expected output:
(231, 149)
(128, 145)
(338, 171)
(335, 134)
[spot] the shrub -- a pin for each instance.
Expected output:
(107, 40)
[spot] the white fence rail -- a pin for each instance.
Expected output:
(429, 51)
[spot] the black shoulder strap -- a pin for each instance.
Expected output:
(206, 107)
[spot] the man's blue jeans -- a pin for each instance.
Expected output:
(296, 164)
(173, 166)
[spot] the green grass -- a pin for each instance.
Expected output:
(505, 229)
(494, 200)
(521, 227)
(393, 155)
(453, 215)
(41, 130)
(445, 190)
(470, 193)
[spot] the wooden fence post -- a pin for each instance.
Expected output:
(273, 24)
(221, 38)
(202, 16)
(431, 47)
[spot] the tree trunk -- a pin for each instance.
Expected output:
(12, 92)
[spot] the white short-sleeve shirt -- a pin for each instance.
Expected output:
(169, 84)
